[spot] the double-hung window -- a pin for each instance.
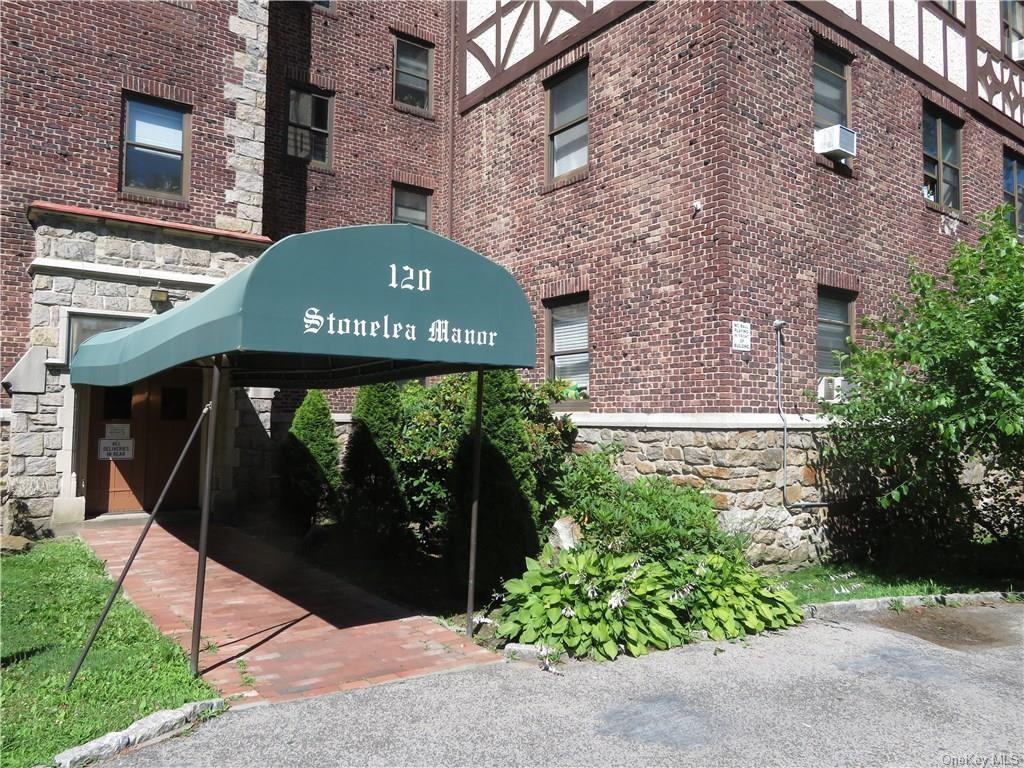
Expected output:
(941, 144)
(410, 205)
(568, 124)
(835, 310)
(568, 345)
(309, 126)
(1013, 190)
(155, 148)
(831, 88)
(1011, 13)
(414, 65)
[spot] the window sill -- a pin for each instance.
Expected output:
(567, 180)
(135, 197)
(846, 170)
(426, 114)
(297, 163)
(571, 405)
(331, 13)
(953, 214)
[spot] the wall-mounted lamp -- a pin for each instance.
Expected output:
(159, 296)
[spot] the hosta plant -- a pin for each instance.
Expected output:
(728, 598)
(590, 603)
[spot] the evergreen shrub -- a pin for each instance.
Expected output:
(311, 476)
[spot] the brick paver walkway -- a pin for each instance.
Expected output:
(296, 630)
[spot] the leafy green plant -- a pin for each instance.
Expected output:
(311, 473)
(728, 598)
(590, 603)
(936, 386)
(896, 605)
(650, 515)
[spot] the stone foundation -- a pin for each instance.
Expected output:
(742, 472)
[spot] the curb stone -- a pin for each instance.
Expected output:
(847, 608)
(139, 732)
(837, 610)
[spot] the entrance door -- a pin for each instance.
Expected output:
(135, 435)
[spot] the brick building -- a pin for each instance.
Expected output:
(648, 171)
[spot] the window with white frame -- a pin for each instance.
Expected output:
(568, 123)
(568, 349)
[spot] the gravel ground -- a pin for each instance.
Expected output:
(821, 694)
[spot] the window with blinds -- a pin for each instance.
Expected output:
(568, 347)
(410, 205)
(833, 329)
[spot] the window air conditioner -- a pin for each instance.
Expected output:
(831, 388)
(836, 142)
(1017, 50)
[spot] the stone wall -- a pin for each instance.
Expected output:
(92, 267)
(742, 472)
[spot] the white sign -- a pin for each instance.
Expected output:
(118, 431)
(116, 450)
(740, 336)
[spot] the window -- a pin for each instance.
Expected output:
(567, 345)
(1013, 190)
(834, 313)
(155, 143)
(941, 139)
(410, 205)
(414, 64)
(117, 403)
(1011, 13)
(949, 6)
(309, 126)
(173, 403)
(568, 126)
(831, 88)
(82, 327)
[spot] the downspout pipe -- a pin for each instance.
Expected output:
(778, 325)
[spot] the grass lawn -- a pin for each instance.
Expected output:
(49, 599)
(829, 583)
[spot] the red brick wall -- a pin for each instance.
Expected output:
(61, 120)
(710, 102)
(348, 51)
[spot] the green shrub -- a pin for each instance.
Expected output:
(587, 602)
(311, 475)
(936, 386)
(374, 511)
(651, 515)
(590, 603)
(726, 597)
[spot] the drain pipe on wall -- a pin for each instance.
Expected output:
(778, 325)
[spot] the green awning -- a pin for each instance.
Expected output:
(335, 307)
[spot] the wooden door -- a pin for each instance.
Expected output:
(146, 424)
(116, 422)
(173, 406)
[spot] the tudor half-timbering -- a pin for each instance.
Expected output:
(666, 179)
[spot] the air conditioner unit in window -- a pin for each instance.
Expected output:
(1017, 50)
(836, 142)
(831, 388)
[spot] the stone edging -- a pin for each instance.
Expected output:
(141, 731)
(828, 611)
(846, 608)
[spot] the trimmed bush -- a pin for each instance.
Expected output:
(374, 513)
(311, 475)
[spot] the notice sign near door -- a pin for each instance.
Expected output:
(116, 450)
(117, 431)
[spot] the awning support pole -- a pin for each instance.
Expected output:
(474, 514)
(135, 551)
(204, 519)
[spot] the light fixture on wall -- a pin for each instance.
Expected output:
(159, 298)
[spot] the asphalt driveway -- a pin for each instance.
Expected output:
(886, 690)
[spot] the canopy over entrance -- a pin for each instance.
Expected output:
(331, 308)
(335, 307)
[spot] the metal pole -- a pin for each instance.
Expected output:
(474, 514)
(204, 520)
(135, 551)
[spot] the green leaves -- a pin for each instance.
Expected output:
(940, 384)
(589, 603)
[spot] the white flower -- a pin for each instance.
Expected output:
(591, 591)
(618, 599)
(568, 612)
